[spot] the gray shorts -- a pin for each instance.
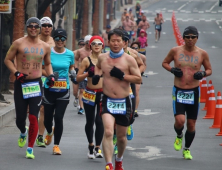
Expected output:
(82, 84)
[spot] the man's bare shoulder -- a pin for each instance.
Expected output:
(202, 51)
(103, 56)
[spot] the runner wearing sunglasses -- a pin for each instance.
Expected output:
(136, 46)
(29, 52)
(92, 97)
(56, 98)
(188, 60)
(45, 36)
(80, 54)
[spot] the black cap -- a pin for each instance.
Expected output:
(80, 40)
(190, 30)
(60, 32)
(125, 35)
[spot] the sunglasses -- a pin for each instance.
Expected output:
(135, 48)
(87, 42)
(96, 43)
(190, 36)
(33, 26)
(60, 38)
(81, 44)
(47, 25)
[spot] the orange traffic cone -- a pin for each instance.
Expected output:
(218, 112)
(220, 133)
(207, 97)
(211, 105)
(203, 90)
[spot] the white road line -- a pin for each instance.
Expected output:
(196, 20)
(213, 6)
(169, 10)
(201, 12)
(219, 11)
(182, 10)
(181, 7)
(188, 11)
(214, 12)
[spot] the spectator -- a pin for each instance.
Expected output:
(137, 8)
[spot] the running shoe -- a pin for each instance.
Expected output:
(56, 150)
(109, 166)
(22, 139)
(98, 153)
(130, 133)
(119, 165)
(114, 139)
(29, 153)
(178, 144)
(40, 141)
(76, 102)
(48, 138)
(186, 154)
(115, 150)
(81, 111)
(90, 153)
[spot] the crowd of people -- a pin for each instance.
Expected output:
(105, 73)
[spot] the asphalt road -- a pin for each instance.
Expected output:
(152, 146)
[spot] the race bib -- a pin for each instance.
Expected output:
(60, 85)
(31, 89)
(107, 49)
(116, 106)
(131, 93)
(186, 97)
(89, 97)
(158, 27)
(43, 80)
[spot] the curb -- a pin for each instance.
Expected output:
(7, 115)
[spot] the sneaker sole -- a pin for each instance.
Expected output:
(30, 157)
(99, 156)
(55, 153)
(41, 146)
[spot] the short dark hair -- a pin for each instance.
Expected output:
(137, 43)
(115, 31)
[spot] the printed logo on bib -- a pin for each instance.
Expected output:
(89, 97)
(31, 89)
(60, 85)
(116, 106)
(186, 97)
(157, 26)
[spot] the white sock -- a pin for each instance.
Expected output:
(119, 159)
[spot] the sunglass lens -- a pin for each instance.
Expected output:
(63, 39)
(46, 25)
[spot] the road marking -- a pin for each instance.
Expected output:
(201, 12)
(151, 152)
(214, 12)
(219, 11)
(213, 6)
(153, 46)
(213, 47)
(181, 7)
(182, 10)
(150, 72)
(146, 112)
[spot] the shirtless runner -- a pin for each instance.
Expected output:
(116, 102)
(80, 54)
(188, 60)
(29, 52)
(158, 26)
(45, 36)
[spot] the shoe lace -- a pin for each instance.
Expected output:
(56, 149)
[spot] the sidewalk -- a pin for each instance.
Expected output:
(7, 110)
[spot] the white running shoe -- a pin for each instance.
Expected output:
(76, 102)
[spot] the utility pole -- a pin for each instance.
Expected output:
(85, 18)
(90, 18)
(96, 17)
(101, 11)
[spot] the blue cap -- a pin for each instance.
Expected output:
(108, 26)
